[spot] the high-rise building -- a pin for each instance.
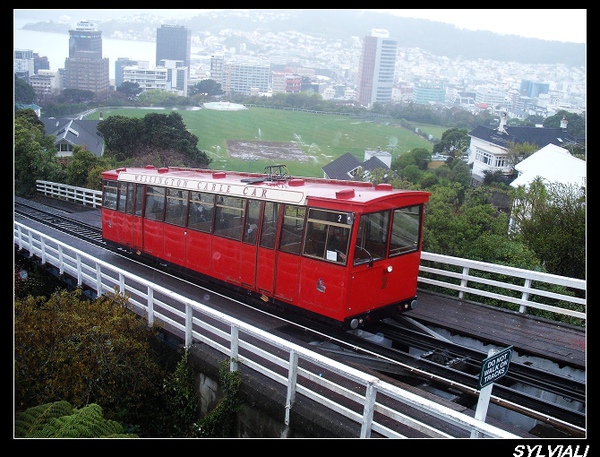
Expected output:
(23, 62)
(217, 62)
(533, 88)
(376, 68)
(85, 68)
(173, 42)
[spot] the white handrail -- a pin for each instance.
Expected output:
(87, 197)
(304, 372)
(505, 284)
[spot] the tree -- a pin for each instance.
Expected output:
(160, 98)
(550, 218)
(157, 137)
(420, 157)
(79, 165)
(24, 93)
(454, 143)
(428, 179)
(34, 153)
(462, 222)
(206, 87)
(169, 133)
(28, 115)
(181, 399)
(517, 152)
(131, 90)
(412, 173)
(460, 172)
(78, 96)
(122, 136)
(575, 126)
(80, 351)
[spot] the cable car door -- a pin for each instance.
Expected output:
(267, 254)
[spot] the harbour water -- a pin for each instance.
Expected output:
(55, 46)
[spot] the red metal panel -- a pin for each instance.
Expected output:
(373, 287)
(226, 260)
(248, 265)
(109, 226)
(287, 279)
(154, 239)
(265, 271)
(122, 226)
(323, 288)
(137, 226)
(174, 250)
(198, 251)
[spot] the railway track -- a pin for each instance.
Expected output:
(438, 365)
(405, 351)
(59, 220)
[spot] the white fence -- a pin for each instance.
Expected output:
(377, 406)
(475, 279)
(87, 197)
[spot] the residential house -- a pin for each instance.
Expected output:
(553, 164)
(488, 151)
(348, 166)
(74, 132)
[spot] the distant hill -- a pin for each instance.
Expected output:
(345, 25)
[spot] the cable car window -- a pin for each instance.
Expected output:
(139, 199)
(110, 194)
(129, 204)
(291, 231)
(251, 224)
(269, 225)
(406, 229)
(327, 235)
(201, 209)
(155, 203)
(372, 237)
(229, 217)
(176, 209)
(122, 199)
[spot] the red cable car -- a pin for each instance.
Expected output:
(346, 253)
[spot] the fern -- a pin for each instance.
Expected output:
(30, 421)
(60, 420)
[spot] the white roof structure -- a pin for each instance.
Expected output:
(554, 164)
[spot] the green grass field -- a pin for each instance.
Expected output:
(321, 137)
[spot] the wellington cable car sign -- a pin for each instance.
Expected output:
(494, 367)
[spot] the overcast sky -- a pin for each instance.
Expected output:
(546, 24)
(568, 25)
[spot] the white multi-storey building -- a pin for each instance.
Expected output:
(241, 76)
(46, 83)
(147, 78)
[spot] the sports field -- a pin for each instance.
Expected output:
(248, 140)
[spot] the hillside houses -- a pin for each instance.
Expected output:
(553, 164)
(348, 166)
(74, 132)
(488, 150)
